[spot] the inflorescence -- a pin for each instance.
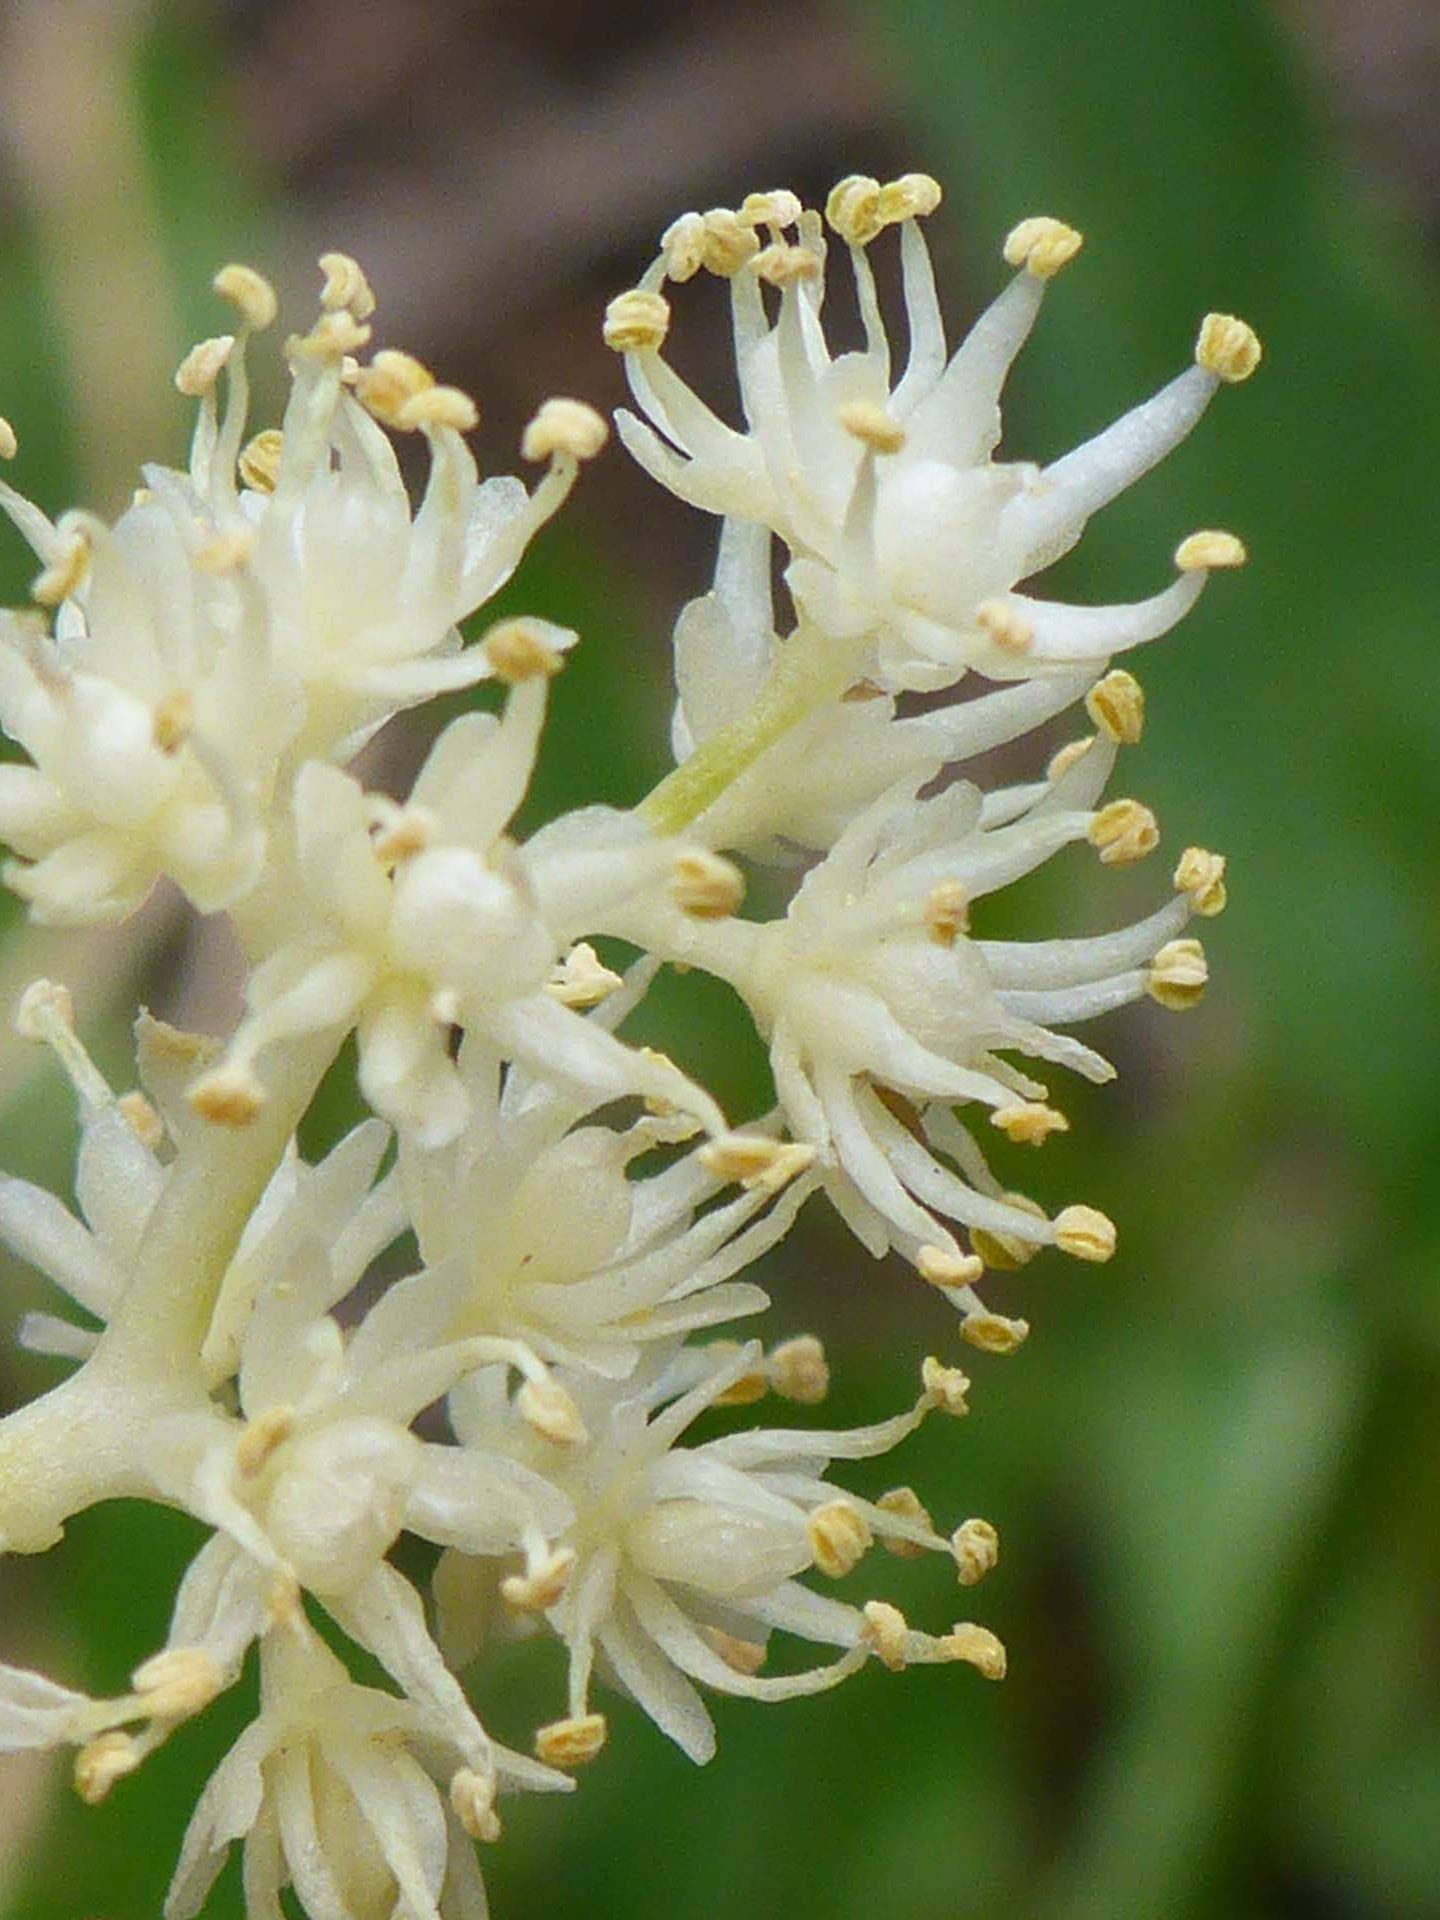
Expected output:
(189, 687)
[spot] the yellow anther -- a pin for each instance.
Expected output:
(1010, 629)
(261, 1439)
(780, 264)
(706, 885)
(976, 1547)
(1029, 1123)
(872, 426)
(1062, 761)
(637, 322)
(730, 242)
(9, 444)
(439, 407)
(230, 1096)
(472, 1795)
(912, 197)
(1210, 550)
(777, 208)
(943, 1269)
(548, 1408)
(683, 247)
(346, 287)
(1007, 1250)
(754, 1161)
(744, 1391)
(390, 382)
(945, 1387)
(101, 1763)
(404, 832)
(250, 293)
(799, 1371)
(1085, 1233)
(522, 650)
(853, 209)
(582, 979)
(542, 1585)
(334, 336)
(1042, 246)
(66, 573)
(839, 1538)
(977, 1646)
(1179, 975)
(1201, 874)
(282, 1601)
(887, 1631)
(1123, 832)
(994, 1333)
(202, 365)
(227, 551)
(260, 460)
(947, 911)
(741, 1656)
(1228, 348)
(905, 1504)
(177, 1683)
(143, 1120)
(174, 720)
(1117, 706)
(565, 426)
(570, 1743)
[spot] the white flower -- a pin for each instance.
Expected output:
(906, 539)
(277, 602)
(683, 1560)
(870, 988)
(405, 922)
(336, 1792)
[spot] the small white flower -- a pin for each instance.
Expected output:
(906, 539)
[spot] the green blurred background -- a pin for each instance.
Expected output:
(1215, 1466)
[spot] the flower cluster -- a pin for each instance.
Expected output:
(533, 1240)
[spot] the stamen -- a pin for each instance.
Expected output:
(1228, 348)
(143, 1120)
(872, 425)
(230, 1096)
(947, 911)
(520, 650)
(389, 383)
(545, 1405)
(976, 1547)
(177, 1683)
(1086, 1233)
(1028, 1123)
(174, 720)
(683, 247)
(839, 1536)
(914, 196)
(345, 286)
(798, 1370)
(571, 1743)
(853, 209)
(262, 1439)
(201, 368)
(754, 1161)
(1006, 625)
(565, 426)
(541, 1585)
(730, 243)
(945, 1387)
(741, 1656)
(637, 322)
(582, 979)
(706, 885)
(250, 292)
(994, 1333)
(948, 1270)
(781, 265)
(886, 1630)
(1123, 832)
(439, 407)
(1210, 551)
(777, 208)
(1202, 875)
(260, 460)
(746, 1388)
(1117, 706)
(1042, 246)
(1179, 975)
(1008, 1251)
(102, 1762)
(977, 1646)
(1065, 759)
(472, 1795)
(905, 1504)
(66, 573)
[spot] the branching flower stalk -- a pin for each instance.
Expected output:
(189, 687)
